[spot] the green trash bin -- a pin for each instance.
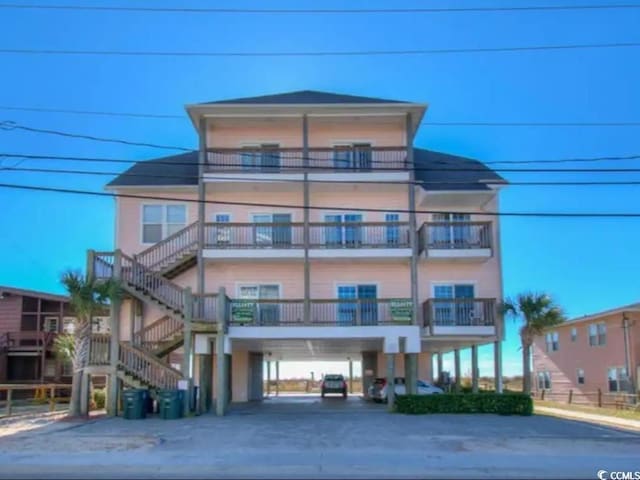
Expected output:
(134, 405)
(170, 404)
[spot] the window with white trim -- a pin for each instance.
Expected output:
(574, 334)
(617, 377)
(162, 220)
(265, 313)
(50, 324)
(580, 375)
(553, 342)
(68, 325)
(544, 380)
(597, 334)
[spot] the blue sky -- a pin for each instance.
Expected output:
(587, 264)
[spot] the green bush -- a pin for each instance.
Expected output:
(498, 403)
(99, 397)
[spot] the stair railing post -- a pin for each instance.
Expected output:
(187, 347)
(114, 345)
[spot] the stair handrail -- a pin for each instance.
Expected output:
(147, 367)
(162, 289)
(170, 247)
(156, 332)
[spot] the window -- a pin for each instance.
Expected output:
(618, 380)
(393, 231)
(100, 325)
(343, 230)
(544, 380)
(261, 157)
(574, 334)
(450, 231)
(278, 234)
(355, 156)
(597, 334)
(461, 310)
(221, 235)
(160, 221)
(266, 313)
(364, 311)
(67, 369)
(50, 324)
(552, 341)
(68, 325)
(580, 375)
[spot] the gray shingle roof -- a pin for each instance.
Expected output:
(182, 169)
(462, 173)
(176, 170)
(303, 97)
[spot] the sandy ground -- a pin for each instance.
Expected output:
(312, 438)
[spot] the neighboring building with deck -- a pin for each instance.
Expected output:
(590, 353)
(29, 322)
(306, 227)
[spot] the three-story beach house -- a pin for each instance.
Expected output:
(306, 227)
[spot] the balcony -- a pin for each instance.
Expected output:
(463, 241)
(26, 340)
(460, 316)
(326, 313)
(342, 163)
(326, 240)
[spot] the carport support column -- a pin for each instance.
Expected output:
(497, 359)
(456, 363)
(474, 368)
(205, 372)
(413, 227)
(306, 233)
(440, 365)
(411, 372)
(351, 376)
(114, 345)
(391, 374)
(187, 348)
(277, 378)
(221, 364)
(268, 378)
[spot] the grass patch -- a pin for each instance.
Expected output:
(609, 412)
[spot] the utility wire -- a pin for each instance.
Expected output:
(316, 207)
(292, 180)
(199, 10)
(417, 168)
(327, 53)
(160, 116)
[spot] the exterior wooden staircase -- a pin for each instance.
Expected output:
(173, 255)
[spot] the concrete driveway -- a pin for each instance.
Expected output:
(307, 437)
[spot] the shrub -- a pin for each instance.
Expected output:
(498, 403)
(98, 399)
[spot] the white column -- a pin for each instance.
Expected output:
(497, 358)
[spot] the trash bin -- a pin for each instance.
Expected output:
(147, 401)
(170, 404)
(134, 406)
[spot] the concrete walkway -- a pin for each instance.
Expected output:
(626, 423)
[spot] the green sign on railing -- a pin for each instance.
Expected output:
(243, 312)
(401, 310)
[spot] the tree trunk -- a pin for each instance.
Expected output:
(74, 403)
(526, 367)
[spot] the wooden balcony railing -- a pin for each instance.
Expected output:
(205, 307)
(99, 349)
(455, 235)
(332, 312)
(254, 235)
(291, 160)
(170, 249)
(359, 235)
(460, 312)
(321, 235)
(33, 339)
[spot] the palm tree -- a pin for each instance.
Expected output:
(538, 312)
(88, 298)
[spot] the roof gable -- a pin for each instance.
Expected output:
(302, 97)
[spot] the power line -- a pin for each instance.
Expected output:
(316, 207)
(213, 164)
(160, 116)
(209, 10)
(336, 53)
(9, 125)
(291, 180)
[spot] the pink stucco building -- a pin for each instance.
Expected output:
(306, 227)
(598, 351)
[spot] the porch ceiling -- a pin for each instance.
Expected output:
(301, 349)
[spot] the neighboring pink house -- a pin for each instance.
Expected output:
(599, 351)
(256, 248)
